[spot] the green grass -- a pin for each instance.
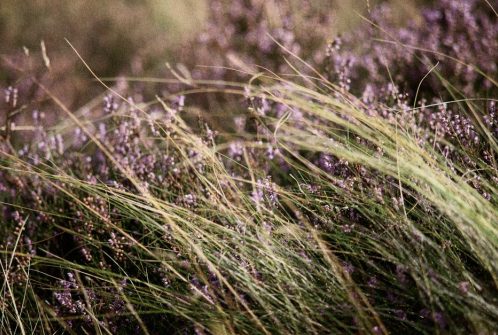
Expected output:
(290, 278)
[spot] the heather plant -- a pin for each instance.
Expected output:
(442, 52)
(457, 39)
(331, 219)
(330, 210)
(241, 34)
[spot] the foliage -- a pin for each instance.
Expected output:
(348, 200)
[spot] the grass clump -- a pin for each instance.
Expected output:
(323, 219)
(329, 210)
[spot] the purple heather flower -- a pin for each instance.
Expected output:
(464, 287)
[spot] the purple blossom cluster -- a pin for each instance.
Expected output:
(245, 34)
(71, 299)
(460, 37)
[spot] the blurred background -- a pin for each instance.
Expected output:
(137, 38)
(114, 36)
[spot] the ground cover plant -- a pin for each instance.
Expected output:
(347, 187)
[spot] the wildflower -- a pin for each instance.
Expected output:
(110, 105)
(235, 150)
(373, 282)
(464, 287)
(11, 96)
